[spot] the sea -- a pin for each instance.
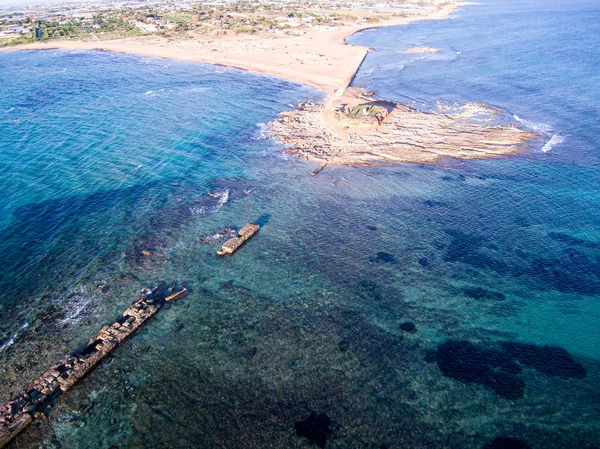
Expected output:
(452, 305)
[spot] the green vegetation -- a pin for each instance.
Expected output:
(249, 16)
(12, 41)
(367, 112)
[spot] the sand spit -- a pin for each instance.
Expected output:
(359, 129)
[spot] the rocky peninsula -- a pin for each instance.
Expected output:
(349, 127)
(359, 129)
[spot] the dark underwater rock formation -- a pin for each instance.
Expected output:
(383, 257)
(473, 250)
(507, 443)
(369, 290)
(467, 363)
(571, 271)
(315, 429)
(496, 367)
(550, 360)
(409, 327)
(423, 261)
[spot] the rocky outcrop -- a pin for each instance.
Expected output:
(336, 134)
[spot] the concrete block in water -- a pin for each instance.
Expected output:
(16, 414)
(232, 245)
(17, 425)
(179, 294)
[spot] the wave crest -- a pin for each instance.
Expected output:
(540, 128)
(556, 139)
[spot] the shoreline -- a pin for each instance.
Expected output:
(318, 58)
(322, 59)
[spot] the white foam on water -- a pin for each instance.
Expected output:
(222, 196)
(261, 132)
(149, 92)
(11, 340)
(537, 127)
(10, 110)
(191, 90)
(76, 308)
(555, 140)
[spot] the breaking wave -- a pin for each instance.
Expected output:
(11, 340)
(555, 140)
(221, 197)
(75, 307)
(261, 132)
(540, 128)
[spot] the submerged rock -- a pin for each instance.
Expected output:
(550, 360)
(434, 203)
(383, 257)
(507, 443)
(423, 262)
(467, 363)
(409, 327)
(496, 367)
(315, 429)
(369, 290)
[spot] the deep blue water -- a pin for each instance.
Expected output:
(107, 162)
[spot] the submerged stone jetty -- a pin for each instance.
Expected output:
(31, 402)
(233, 244)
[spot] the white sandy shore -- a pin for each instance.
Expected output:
(319, 58)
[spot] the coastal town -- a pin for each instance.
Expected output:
(109, 20)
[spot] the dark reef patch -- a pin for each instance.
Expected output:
(433, 203)
(467, 363)
(571, 272)
(383, 257)
(315, 429)
(409, 327)
(423, 261)
(507, 443)
(369, 290)
(470, 249)
(483, 295)
(550, 360)
(496, 367)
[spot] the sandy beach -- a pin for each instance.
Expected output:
(321, 58)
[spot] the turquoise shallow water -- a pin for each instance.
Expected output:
(107, 165)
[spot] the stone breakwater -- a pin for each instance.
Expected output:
(233, 244)
(33, 401)
(337, 134)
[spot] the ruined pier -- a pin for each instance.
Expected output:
(233, 244)
(31, 402)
